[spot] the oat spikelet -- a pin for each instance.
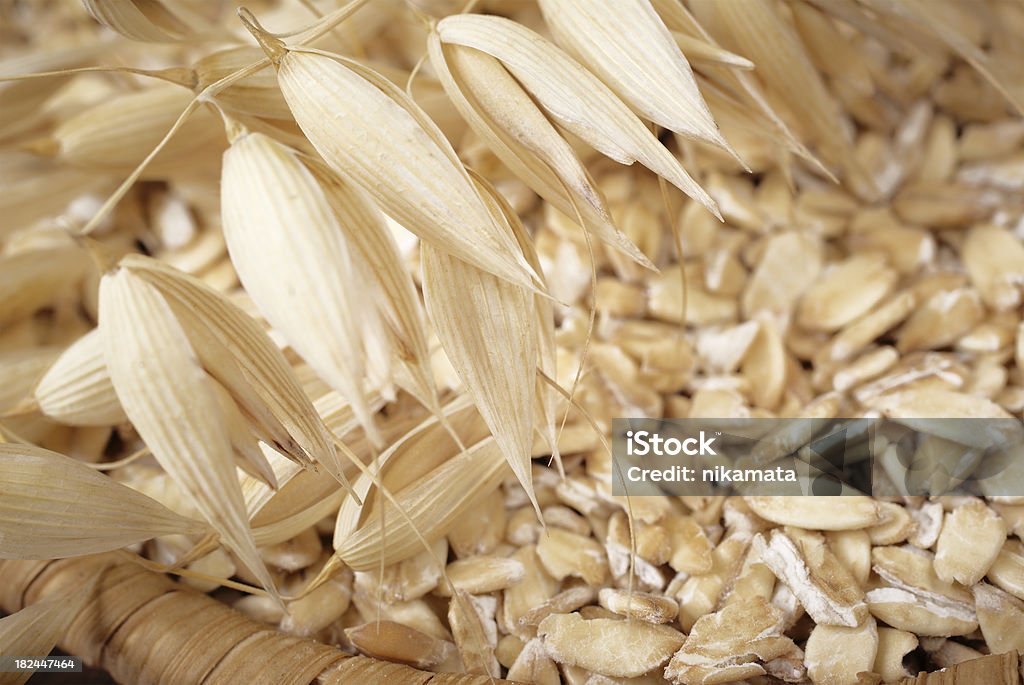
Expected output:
(488, 329)
(784, 67)
(370, 132)
(572, 95)
(246, 448)
(35, 630)
(431, 479)
(629, 47)
(35, 188)
(433, 505)
(293, 260)
(752, 106)
(548, 399)
(940, 22)
(169, 399)
(703, 53)
(242, 357)
(374, 247)
(77, 390)
(149, 21)
(515, 128)
(97, 514)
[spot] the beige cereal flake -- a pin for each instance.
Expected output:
(614, 648)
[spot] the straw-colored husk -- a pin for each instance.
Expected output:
(500, 111)
(76, 389)
(571, 94)
(170, 399)
(240, 354)
(100, 514)
(489, 334)
(430, 478)
(32, 279)
(257, 95)
(419, 183)
(665, 92)
(116, 135)
(264, 189)
(400, 335)
(24, 100)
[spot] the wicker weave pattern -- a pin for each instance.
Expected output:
(146, 630)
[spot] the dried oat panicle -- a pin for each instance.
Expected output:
(436, 8)
(35, 278)
(36, 187)
(750, 102)
(516, 129)
(890, 289)
(24, 101)
(169, 398)
(246, 450)
(703, 53)
(239, 353)
(294, 261)
(783, 66)
(573, 96)
(629, 47)
(548, 400)
(23, 368)
(371, 133)
(944, 20)
(97, 514)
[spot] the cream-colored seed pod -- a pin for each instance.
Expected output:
(666, 94)
(77, 390)
(371, 133)
(293, 260)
